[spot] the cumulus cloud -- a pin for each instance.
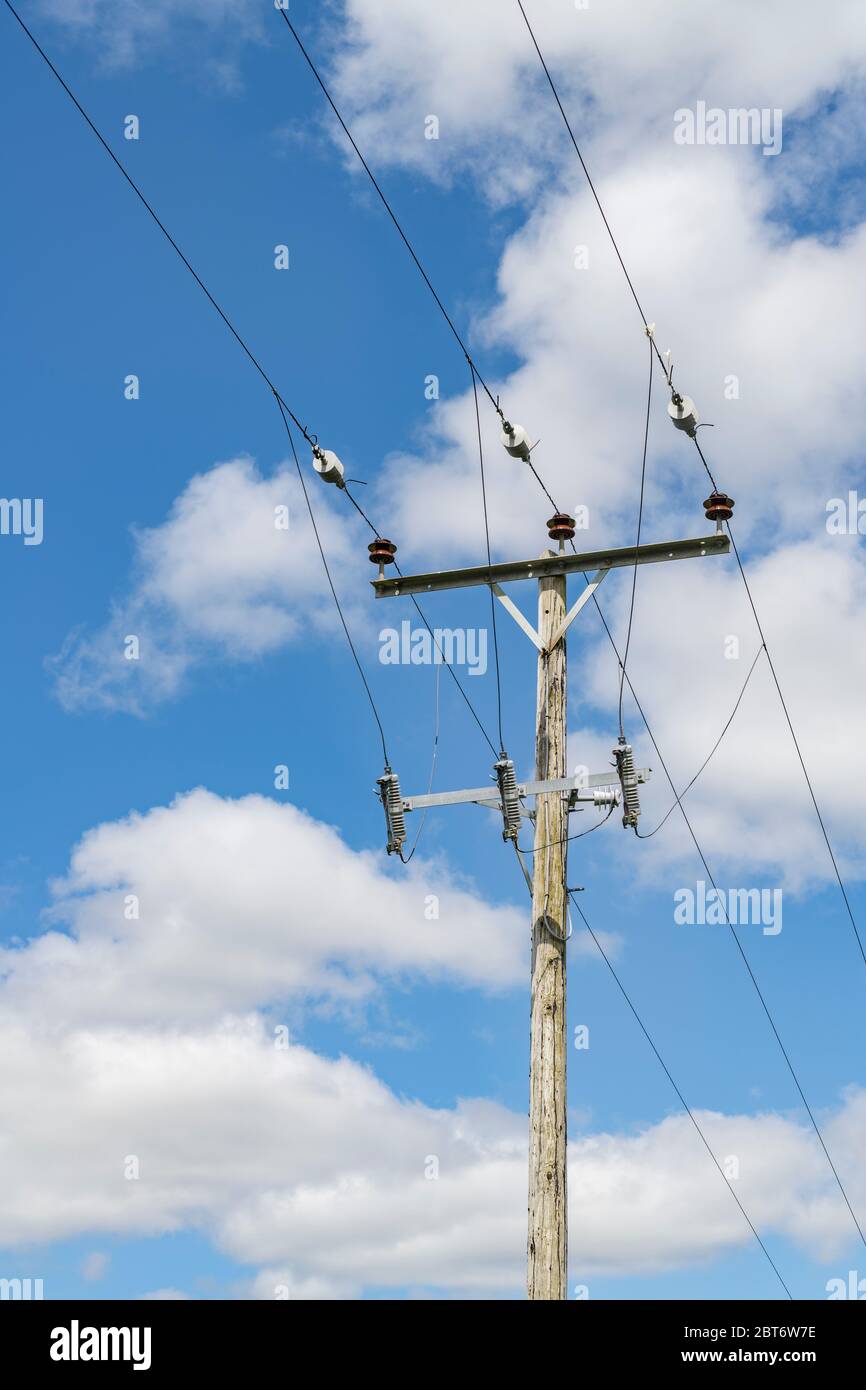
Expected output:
(211, 905)
(766, 323)
(313, 1172)
(233, 572)
(148, 1089)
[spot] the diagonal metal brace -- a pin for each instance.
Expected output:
(575, 608)
(518, 617)
(524, 623)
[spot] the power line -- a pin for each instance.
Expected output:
(691, 783)
(790, 724)
(331, 582)
(588, 177)
(622, 989)
(421, 615)
(489, 559)
(637, 539)
(567, 839)
(406, 859)
(784, 706)
(745, 960)
(683, 1101)
(166, 233)
(668, 378)
(390, 211)
(226, 320)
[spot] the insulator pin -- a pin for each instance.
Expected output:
(382, 552)
(504, 770)
(719, 507)
(392, 801)
(628, 781)
(561, 527)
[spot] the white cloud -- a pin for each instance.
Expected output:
(735, 293)
(218, 578)
(751, 808)
(314, 1172)
(141, 1042)
(232, 915)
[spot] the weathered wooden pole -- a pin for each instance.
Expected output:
(547, 1246)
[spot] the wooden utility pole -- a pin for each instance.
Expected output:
(555, 795)
(547, 1244)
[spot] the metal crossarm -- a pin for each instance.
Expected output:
(545, 565)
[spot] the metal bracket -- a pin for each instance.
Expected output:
(548, 564)
(518, 617)
(488, 796)
(526, 625)
(575, 608)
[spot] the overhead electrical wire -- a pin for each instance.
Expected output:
(790, 724)
(649, 395)
(406, 858)
(166, 233)
(390, 211)
(663, 1064)
(668, 377)
(330, 580)
(477, 378)
(715, 746)
(570, 895)
(474, 375)
(296, 421)
(567, 839)
(588, 176)
(745, 960)
(445, 662)
(226, 320)
(655, 350)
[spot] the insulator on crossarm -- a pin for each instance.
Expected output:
(628, 781)
(560, 527)
(718, 507)
(504, 770)
(381, 552)
(392, 801)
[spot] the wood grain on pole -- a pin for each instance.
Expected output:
(547, 1247)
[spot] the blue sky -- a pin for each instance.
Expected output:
(349, 333)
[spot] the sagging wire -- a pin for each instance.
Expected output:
(624, 662)
(621, 987)
(494, 400)
(567, 839)
(718, 741)
(355, 656)
(474, 375)
(405, 859)
(843, 890)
